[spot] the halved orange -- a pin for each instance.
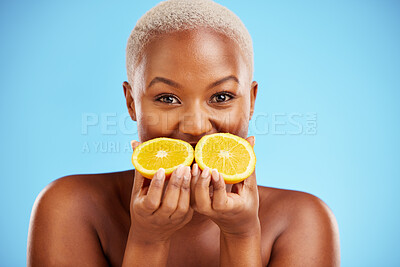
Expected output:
(231, 155)
(161, 152)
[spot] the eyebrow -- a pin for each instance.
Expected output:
(177, 85)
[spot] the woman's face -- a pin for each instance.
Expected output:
(190, 84)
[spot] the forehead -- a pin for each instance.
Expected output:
(193, 56)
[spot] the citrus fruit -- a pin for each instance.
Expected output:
(231, 155)
(161, 152)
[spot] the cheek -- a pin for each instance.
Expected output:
(154, 123)
(234, 120)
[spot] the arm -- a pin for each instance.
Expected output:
(60, 233)
(153, 221)
(145, 253)
(311, 237)
(156, 217)
(236, 214)
(241, 250)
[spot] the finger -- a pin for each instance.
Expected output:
(153, 198)
(184, 197)
(248, 185)
(237, 188)
(251, 140)
(134, 144)
(188, 216)
(195, 177)
(251, 182)
(219, 197)
(138, 179)
(202, 193)
(137, 184)
(172, 192)
(145, 186)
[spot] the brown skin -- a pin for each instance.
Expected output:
(123, 219)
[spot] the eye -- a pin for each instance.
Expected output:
(221, 97)
(168, 99)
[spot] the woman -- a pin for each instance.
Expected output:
(190, 68)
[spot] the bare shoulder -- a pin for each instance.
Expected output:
(291, 204)
(62, 229)
(305, 227)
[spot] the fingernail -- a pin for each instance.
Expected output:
(205, 172)
(195, 169)
(179, 171)
(215, 175)
(160, 173)
(186, 174)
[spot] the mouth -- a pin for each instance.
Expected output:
(193, 145)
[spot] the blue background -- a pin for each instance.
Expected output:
(339, 60)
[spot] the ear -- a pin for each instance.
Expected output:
(253, 96)
(129, 100)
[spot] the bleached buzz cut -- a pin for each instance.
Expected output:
(178, 15)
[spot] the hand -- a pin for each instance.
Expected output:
(156, 216)
(236, 212)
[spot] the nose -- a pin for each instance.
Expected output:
(195, 121)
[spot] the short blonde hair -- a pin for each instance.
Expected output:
(178, 15)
